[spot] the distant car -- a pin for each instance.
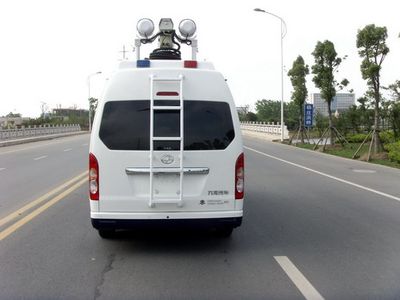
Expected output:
(166, 149)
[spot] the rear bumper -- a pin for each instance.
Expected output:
(178, 220)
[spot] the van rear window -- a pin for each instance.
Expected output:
(125, 125)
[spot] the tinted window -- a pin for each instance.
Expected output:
(208, 125)
(166, 123)
(125, 125)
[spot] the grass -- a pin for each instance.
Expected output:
(348, 151)
(386, 162)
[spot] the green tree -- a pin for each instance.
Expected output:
(297, 75)
(245, 115)
(363, 102)
(350, 120)
(395, 108)
(13, 115)
(372, 48)
(395, 118)
(250, 116)
(395, 90)
(326, 64)
(268, 110)
(321, 122)
(367, 114)
(291, 115)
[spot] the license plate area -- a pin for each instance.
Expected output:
(166, 185)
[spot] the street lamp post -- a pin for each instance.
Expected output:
(283, 33)
(88, 83)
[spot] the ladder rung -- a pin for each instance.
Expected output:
(167, 107)
(167, 138)
(167, 79)
(166, 200)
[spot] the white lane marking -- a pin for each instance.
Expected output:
(366, 171)
(68, 149)
(1, 169)
(40, 157)
(85, 144)
(301, 282)
(327, 175)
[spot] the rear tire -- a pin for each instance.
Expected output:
(107, 233)
(224, 232)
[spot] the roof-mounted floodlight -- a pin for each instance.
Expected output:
(168, 40)
(187, 28)
(145, 27)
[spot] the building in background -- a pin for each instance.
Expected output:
(340, 103)
(12, 121)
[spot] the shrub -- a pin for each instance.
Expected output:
(394, 151)
(387, 136)
(357, 138)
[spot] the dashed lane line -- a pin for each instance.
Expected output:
(40, 157)
(362, 187)
(300, 281)
(67, 150)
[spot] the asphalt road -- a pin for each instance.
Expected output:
(29, 170)
(337, 221)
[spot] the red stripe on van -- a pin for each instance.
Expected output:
(167, 94)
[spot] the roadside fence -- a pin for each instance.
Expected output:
(40, 130)
(267, 128)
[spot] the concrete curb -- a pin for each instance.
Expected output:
(261, 135)
(39, 138)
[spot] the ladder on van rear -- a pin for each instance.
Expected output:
(154, 108)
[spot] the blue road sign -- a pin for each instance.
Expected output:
(308, 114)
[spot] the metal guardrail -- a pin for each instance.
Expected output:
(31, 131)
(268, 128)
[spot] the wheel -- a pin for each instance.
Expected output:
(224, 232)
(107, 233)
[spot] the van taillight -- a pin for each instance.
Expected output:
(93, 177)
(239, 177)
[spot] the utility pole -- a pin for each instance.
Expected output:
(283, 33)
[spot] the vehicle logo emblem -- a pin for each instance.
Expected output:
(167, 159)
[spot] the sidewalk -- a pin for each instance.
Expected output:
(261, 135)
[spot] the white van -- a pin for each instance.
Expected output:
(166, 149)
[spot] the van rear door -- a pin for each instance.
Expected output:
(208, 159)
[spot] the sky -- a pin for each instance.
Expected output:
(48, 48)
